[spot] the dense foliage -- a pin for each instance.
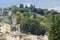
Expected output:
(54, 33)
(5, 19)
(32, 8)
(34, 20)
(33, 26)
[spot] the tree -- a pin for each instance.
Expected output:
(5, 20)
(5, 11)
(54, 32)
(13, 15)
(40, 11)
(21, 10)
(53, 12)
(14, 9)
(21, 6)
(45, 12)
(19, 17)
(31, 7)
(32, 26)
(26, 6)
(35, 10)
(27, 14)
(34, 15)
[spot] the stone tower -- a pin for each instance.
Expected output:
(14, 22)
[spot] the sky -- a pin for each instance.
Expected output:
(55, 4)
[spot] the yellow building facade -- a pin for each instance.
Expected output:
(4, 28)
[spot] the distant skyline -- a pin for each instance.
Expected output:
(55, 4)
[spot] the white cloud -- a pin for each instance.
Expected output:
(55, 8)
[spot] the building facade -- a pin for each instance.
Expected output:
(4, 28)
